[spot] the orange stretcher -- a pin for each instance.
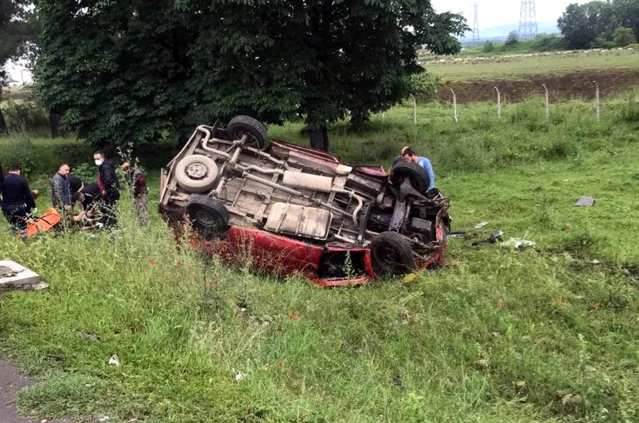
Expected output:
(47, 221)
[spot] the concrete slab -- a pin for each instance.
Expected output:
(16, 276)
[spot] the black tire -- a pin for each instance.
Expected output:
(415, 173)
(246, 125)
(209, 217)
(392, 254)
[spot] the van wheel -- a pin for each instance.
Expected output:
(253, 128)
(208, 216)
(196, 173)
(392, 254)
(417, 175)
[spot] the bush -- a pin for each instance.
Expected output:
(424, 86)
(19, 150)
(545, 42)
(25, 117)
(624, 37)
(488, 47)
(512, 40)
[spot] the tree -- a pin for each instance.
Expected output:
(581, 24)
(624, 36)
(15, 31)
(627, 14)
(488, 47)
(135, 70)
(513, 39)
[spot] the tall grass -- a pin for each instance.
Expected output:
(495, 335)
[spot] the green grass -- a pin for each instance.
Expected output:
(499, 67)
(448, 346)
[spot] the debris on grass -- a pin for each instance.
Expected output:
(519, 243)
(114, 360)
(494, 238)
(520, 385)
(237, 375)
(585, 202)
(89, 335)
(481, 225)
(572, 400)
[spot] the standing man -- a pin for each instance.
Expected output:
(17, 199)
(109, 188)
(137, 183)
(411, 156)
(61, 196)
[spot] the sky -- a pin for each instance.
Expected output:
(493, 13)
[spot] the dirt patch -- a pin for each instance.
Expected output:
(575, 85)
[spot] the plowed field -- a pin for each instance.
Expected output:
(577, 85)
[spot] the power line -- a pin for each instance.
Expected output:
(475, 24)
(527, 20)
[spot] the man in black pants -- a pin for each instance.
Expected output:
(109, 188)
(17, 199)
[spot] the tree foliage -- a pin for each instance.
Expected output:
(594, 23)
(132, 71)
(624, 36)
(513, 39)
(15, 31)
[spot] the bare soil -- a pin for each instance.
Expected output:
(575, 85)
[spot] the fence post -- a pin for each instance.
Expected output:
(454, 105)
(596, 100)
(414, 109)
(547, 102)
(498, 103)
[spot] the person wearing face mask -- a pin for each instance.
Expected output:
(109, 188)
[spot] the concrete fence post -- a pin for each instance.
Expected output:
(498, 103)
(414, 109)
(547, 102)
(596, 100)
(454, 105)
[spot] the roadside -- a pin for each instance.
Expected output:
(11, 382)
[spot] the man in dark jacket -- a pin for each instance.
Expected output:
(61, 195)
(137, 184)
(109, 188)
(17, 199)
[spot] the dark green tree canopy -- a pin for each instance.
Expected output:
(583, 24)
(135, 70)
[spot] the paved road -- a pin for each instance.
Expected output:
(10, 383)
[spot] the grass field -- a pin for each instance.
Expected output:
(548, 334)
(519, 67)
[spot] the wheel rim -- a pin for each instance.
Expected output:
(388, 257)
(205, 219)
(196, 170)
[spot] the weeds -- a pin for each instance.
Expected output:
(496, 335)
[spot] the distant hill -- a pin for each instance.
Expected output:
(500, 33)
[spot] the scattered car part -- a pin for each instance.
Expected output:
(585, 202)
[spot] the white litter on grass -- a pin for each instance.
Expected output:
(519, 243)
(114, 360)
(238, 375)
(104, 419)
(481, 225)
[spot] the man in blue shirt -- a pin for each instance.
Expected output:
(409, 155)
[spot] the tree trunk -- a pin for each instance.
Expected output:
(3, 125)
(54, 123)
(319, 137)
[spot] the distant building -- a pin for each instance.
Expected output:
(17, 74)
(423, 52)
